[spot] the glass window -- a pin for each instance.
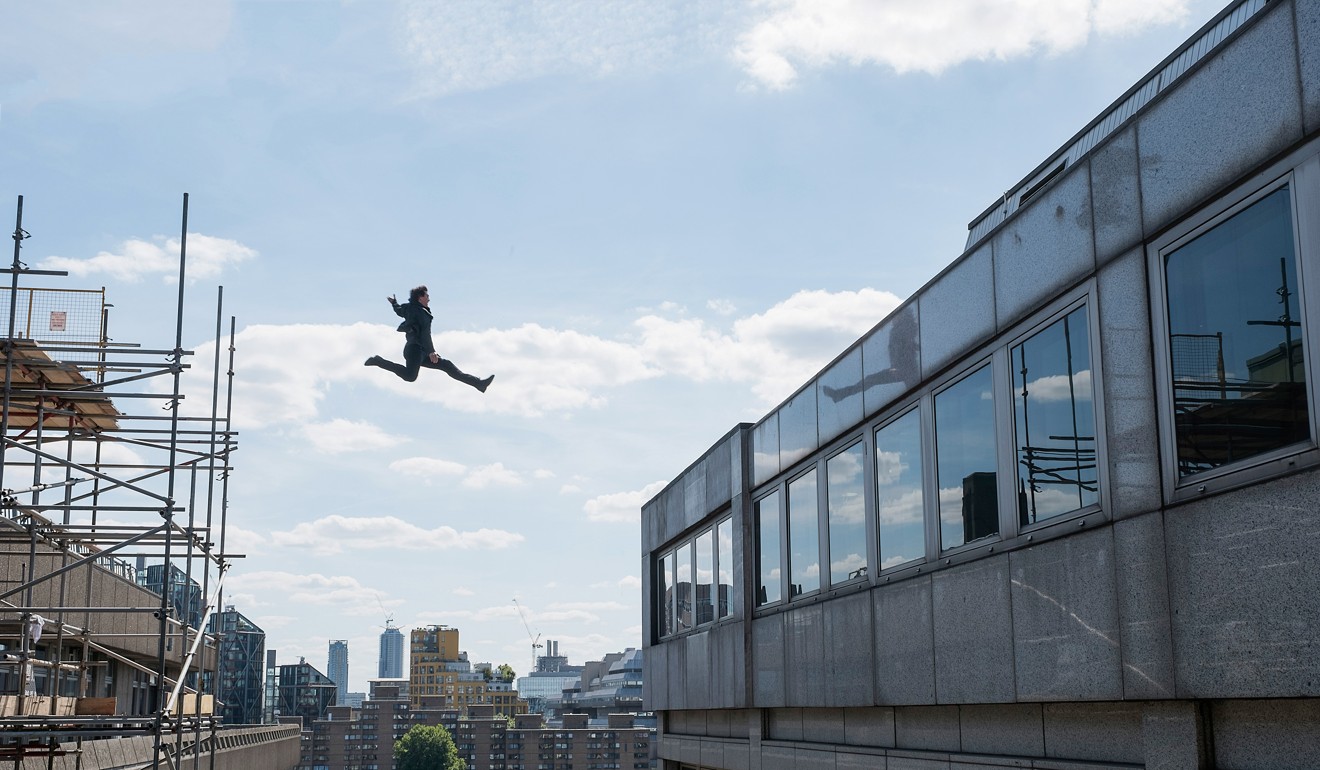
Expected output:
(683, 586)
(767, 550)
(1237, 363)
(965, 460)
(666, 587)
(724, 542)
(846, 500)
(705, 577)
(1054, 420)
(803, 535)
(899, 499)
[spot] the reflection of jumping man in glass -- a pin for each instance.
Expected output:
(903, 360)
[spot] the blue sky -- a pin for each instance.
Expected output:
(650, 220)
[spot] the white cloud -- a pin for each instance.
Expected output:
(929, 35)
(569, 489)
(494, 474)
(339, 436)
(776, 350)
(587, 606)
(722, 306)
(1056, 387)
(542, 473)
(427, 467)
(630, 581)
(557, 371)
(621, 506)
(902, 508)
(464, 591)
(467, 45)
(343, 593)
(208, 256)
(335, 534)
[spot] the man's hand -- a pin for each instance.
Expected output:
(392, 300)
(435, 358)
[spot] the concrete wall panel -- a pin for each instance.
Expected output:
(1005, 728)
(957, 310)
(849, 651)
(1045, 248)
(1245, 591)
(1241, 107)
(1065, 619)
(699, 678)
(768, 663)
(973, 633)
(869, 726)
(1308, 44)
(805, 662)
(1116, 196)
(1130, 425)
(1143, 608)
(904, 643)
(891, 359)
(839, 396)
(927, 727)
(1275, 734)
(1101, 732)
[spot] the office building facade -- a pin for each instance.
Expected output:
(239, 688)
(337, 669)
(390, 663)
(1059, 508)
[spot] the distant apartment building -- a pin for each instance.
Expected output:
(362, 739)
(439, 670)
(1059, 508)
(184, 593)
(390, 665)
(239, 672)
(304, 692)
(337, 669)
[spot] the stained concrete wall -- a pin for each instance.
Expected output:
(269, 747)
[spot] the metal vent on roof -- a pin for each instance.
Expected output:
(1163, 76)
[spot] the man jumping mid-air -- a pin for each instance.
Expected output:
(419, 351)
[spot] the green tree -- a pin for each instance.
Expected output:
(506, 672)
(427, 747)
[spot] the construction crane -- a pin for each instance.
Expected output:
(389, 616)
(536, 640)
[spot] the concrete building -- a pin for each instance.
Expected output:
(439, 669)
(390, 664)
(609, 686)
(239, 671)
(1059, 508)
(185, 595)
(337, 669)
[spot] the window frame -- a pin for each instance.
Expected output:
(786, 536)
(924, 449)
(847, 443)
(1302, 176)
(1056, 311)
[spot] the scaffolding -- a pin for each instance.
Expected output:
(113, 503)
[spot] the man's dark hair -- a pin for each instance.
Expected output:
(415, 293)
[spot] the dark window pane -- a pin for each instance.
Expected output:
(899, 499)
(847, 515)
(767, 549)
(803, 536)
(705, 577)
(724, 539)
(683, 598)
(1239, 375)
(666, 586)
(965, 460)
(1054, 420)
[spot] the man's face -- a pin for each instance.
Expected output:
(425, 299)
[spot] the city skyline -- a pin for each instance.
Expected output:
(585, 192)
